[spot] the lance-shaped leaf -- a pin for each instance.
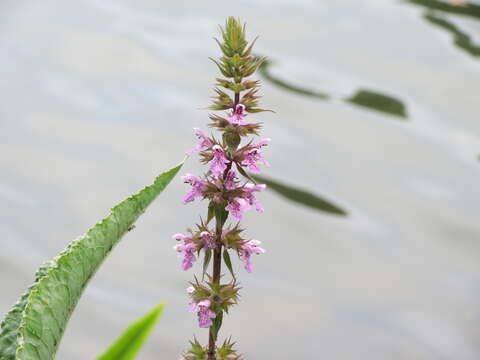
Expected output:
(33, 328)
(228, 262)
(127, 346)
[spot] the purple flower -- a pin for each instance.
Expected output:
(205, 142)
(246, 251)
(252, 156)
(208, 240)
(248, 195)
(205, 315)
(198, 187)
(237, 207)
(187, 250)
(219, 161)
(237, 116)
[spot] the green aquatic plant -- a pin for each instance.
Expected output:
(379, 102)
(465, 9)
(301, 196)
(369, 99)
(461, 39)
(265, 72)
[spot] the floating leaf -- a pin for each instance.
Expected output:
(460, 39)
(132, 339)
(33, 328)
(466, 9)
(364, 98)
(301, 196)
(283, 84)
(380, 102)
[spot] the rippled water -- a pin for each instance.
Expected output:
(377, 119)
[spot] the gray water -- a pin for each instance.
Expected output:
(98, 97)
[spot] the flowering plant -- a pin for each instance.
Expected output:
(34, 326)
(227, 187)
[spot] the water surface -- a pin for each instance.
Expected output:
(98, 97)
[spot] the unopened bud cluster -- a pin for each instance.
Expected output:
(227, 187)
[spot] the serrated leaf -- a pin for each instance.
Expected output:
(228, 262)
(127, 346)
(33, 328)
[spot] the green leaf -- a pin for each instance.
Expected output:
(221, 214)
(130, 342)
(264, 71)
(217, 324)
(228, 262)
(211, 211)
(378, 101)
(467, 9)
(301, 196)
(206, 262)
(242, 171)
(461, 39)
(33, 328)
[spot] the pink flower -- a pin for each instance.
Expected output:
(252, 156)
(219, 161)
(229, 182)
(190, 289)
(208, 240)
(205, 315)
(198, 187)
(237, 116)
(246, 251)
(237, 207)
(205, 142)
(248, 195)
(187, 250)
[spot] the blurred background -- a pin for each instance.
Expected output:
(371, 223)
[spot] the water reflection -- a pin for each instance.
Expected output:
(461, 39)
(364, 98)
(467, 9)
(301, 196)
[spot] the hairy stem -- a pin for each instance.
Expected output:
(217, 269)
(217, 253)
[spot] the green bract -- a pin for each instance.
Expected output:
(33, 328)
